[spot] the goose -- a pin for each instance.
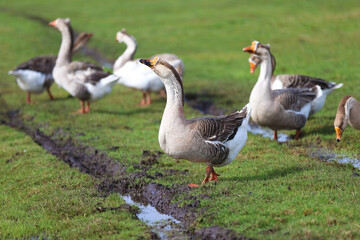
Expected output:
(85, 81)
(298, 81)
(348, 112)
(215, 141)
(35, 75)
(277, 109)
(135, 75)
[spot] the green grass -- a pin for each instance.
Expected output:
(270, 191)
(43, 197)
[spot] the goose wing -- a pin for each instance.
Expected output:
(218, 129)
(301, 81)
(84, 72)
(294, 98)
(43, 64)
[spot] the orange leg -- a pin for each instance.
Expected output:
(143, 100)
(87, 109)
(211, 175)
(275, 135)
(148, 98)
(28, 98)
(207, 176)
(297, 135)
(50, 95)
(82, 109)
(214, 175)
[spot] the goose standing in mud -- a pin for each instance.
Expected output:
(215, 141)
(348, 113)
(35, 75)
(83, 80)
(135, 75)
(298, 81)
(277, 109)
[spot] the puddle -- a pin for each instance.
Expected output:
(268, 133)
(163, 225)
(329, 156)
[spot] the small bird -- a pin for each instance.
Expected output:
(297, 81)
(215, 141)
(348, 112)
(85, 81)
(277, 109)
(35, 75)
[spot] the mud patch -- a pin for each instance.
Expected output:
(150, 158)
(164, 225)
(205, 106)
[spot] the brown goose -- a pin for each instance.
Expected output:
(298, 81)
(83, 80)
(277, 109)
(215, 141)
(35, 75)
(348, 113)
(135, 75)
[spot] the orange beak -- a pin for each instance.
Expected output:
(252, 48)
(252, 67)
(53, 23)
(149, 63)
(338, 133)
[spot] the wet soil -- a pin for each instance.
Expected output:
(113, 177)
(202, 102)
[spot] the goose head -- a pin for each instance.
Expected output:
(341, 118)
(254, 61)
(259, 49)
(123, 35)
(162, 68)
(60, 23)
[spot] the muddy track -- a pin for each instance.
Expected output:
(114, 177)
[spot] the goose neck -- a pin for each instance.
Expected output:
(128, 54)
(175, 99)
(65, 56)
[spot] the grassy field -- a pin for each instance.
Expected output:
(270, 191)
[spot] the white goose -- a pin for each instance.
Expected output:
(135, 75)
(298, 81)
(35, 75)
(83, 80)
(348, 113)
(277, 109)
(215, 141)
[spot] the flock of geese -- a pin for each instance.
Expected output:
(276, 101)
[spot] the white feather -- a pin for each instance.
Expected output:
(29, 80)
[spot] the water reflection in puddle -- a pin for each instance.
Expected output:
(268, 133)
(162, 224)
(329, 156)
